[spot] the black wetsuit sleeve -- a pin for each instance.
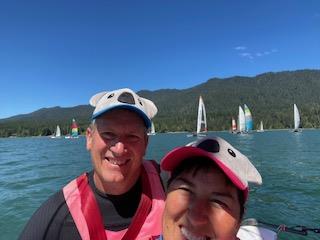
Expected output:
(47, 221)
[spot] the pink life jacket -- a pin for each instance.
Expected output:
(86, 214)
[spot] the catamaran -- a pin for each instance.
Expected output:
(296, 116)
(57, 133)
(74, 130)
(261, 127)
(201, 120)
(248, 119)
(233, 126)
(241, 121)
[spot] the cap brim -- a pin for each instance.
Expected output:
(145, 118)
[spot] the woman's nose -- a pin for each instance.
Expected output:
(198, 213)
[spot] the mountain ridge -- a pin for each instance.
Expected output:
(270, 97)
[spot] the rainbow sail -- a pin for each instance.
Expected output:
(74, 129)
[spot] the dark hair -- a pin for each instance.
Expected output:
(194, 165)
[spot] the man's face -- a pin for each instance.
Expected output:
(117, 144)
(201, 206)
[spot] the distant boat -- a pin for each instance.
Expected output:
(74, 130)
(201, 120)
(152, 130)
(233, 126)
(57, 133)
(248, 119)
(241, 121)
(296, 117)
(261, 127)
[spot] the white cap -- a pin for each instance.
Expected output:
(123, 98)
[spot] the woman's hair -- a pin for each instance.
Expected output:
(194, 165)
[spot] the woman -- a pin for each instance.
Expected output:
(207, 190)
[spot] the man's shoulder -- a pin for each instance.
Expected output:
(39, 224)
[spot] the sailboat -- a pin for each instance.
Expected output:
(233, 126)
(248, 119)
(296, 116)
(241, 121)
(74, 130)
(201, 120)
(57, 133)
(152, 130)
(261, 127)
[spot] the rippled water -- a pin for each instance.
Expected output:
(31, 169)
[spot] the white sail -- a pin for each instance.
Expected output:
(296, 116)
(261, 127)
(202, 118)
(152, 130)
(241, 120)
(58, 132)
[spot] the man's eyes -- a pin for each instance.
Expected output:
(108, 135)
(127, 138)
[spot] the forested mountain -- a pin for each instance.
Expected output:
(44, 121)
(270, 97)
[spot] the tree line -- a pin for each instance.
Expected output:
(270, 97)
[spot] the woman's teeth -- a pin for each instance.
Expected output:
(190, 236)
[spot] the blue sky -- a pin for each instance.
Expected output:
(60, 53)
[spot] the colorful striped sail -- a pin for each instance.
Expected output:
(248, 119)
(74, 129)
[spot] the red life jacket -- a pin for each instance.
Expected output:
(86, 214)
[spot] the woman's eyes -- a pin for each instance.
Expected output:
(220, 202)
(214, 200)
(184, 189)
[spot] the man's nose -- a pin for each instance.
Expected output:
(118, 148)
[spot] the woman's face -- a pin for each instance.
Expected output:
(201, 205)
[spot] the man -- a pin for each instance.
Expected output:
(115, 200)
(207, 190)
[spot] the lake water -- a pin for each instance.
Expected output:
(31, 169)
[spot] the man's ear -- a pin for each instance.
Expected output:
(89, 136)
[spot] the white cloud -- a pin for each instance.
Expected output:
(251, 55)
(246, 55)
(240, 48)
